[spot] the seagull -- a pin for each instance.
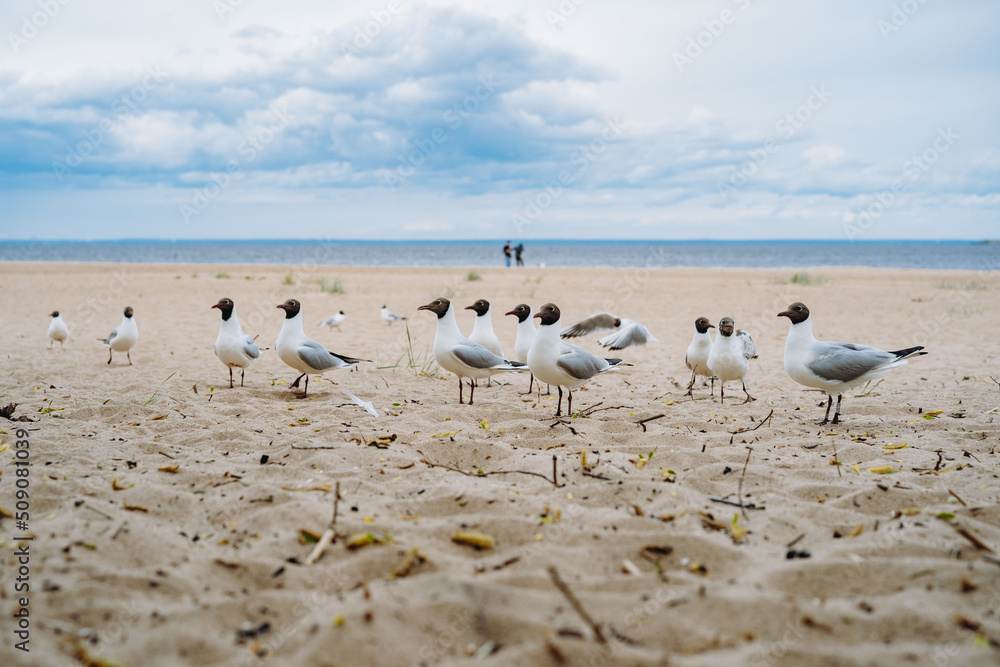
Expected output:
(730, 356)
(303, 353)
(334, 320)
(696, 357)
(624, 332)
(833, 367)
(57, 330)
(233, 347)
(390, 316)
(525, 335)
(554, 362)
(123, 337)
(482, 330)
(456, 353)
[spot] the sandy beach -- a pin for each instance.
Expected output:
(172, 517)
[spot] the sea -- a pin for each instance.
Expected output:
(977, 256)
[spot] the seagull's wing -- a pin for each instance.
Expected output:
(749, 349)
(475, 355)
(579, 363)
(599, 323)
(320, 358)
(843, 362)
(250, 347)
(111, 336)
(630, 333)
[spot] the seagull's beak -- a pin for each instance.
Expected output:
(280, 305)
(510, 313)
(427, 307)
(469, 308)
(711, 326)
(536, 315)
(218, 306)
(785, 313)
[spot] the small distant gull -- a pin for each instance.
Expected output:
(390, 316)
(554, 362)
(730, 356)
(525, 335)
(234, 348)
(334, 320)
(624, 332)
(58, 330)
(833, 367)
(303, 353)
(696, 358)
(123, 338)
(456, 353)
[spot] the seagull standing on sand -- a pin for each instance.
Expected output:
(525, 335)
(303, 353)
(730, 357)
(456, 353)
(334, 320)
(123, 337)
(482, 330)
(57, 330)
(696, 358)
(554, 362)
(233, 347)
(833, 367)
(624, 332)
(390, 316)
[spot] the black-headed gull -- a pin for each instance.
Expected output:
(553, 361)
(122, 338)
(730, 357)
(303, 353)
(390, 316)
(525, 335)
(334, 320)
(456, 353)
(233, 347)
(482, 330)
(696, 358)
(57, 330)
(833, 367)
(624, 332)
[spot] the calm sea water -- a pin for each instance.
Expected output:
(917, 255)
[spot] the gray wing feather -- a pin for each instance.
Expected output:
(633, 333)
(475, 355)
(599, 323)
(749, 349)
(843, 362)
(111, 336)
(250, 347)
(579, 363)
(319, 358)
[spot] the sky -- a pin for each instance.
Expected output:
(525, 119)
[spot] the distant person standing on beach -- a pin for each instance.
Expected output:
(506, 253)
(518, 251)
